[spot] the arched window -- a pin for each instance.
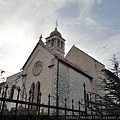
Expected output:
(49, 43)
(52, 42)
(32, 92)
(61, 44)
(37, 92)
(12, 92)
(58, 43)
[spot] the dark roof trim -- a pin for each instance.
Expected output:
(73, 66)
(55, 35)
(44, 46)
(110, 74)
(86, 54)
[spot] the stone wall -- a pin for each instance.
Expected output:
(89, 65)
(70, 85)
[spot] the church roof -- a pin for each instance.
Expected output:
(44, 46)
(55, 32)
(79, 51)
(110, 74)
(73, 66)
(62, 59)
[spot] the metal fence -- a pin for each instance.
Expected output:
(94, 105)
(97, 105)
(38, 110)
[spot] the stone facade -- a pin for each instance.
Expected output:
(89, 65)
(70, 85)
(42, 55)
(70, 81)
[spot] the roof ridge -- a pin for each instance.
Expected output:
(84, 53)
(75, 66)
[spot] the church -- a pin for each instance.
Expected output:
(48, 69)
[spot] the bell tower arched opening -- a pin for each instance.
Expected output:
(56, 43)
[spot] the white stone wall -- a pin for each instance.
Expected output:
(70, 85)
(40, 54)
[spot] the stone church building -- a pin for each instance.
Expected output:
(49, 70)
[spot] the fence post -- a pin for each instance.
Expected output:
(39, 102)
(65, 107)
(101, 107)
(79, 108)
(17, 103)
(49, 106)
(38, 97)
(72, 107)
(6, 87)
(28, 104)
(57, 113)
(33, 95)
(2, 97)
(85, 98)
(91, 107)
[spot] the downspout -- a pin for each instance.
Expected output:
(57, 97)
(57, 77)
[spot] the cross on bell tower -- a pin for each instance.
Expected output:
(55, 42)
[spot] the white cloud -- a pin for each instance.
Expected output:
(22, 21)
(86, 6)
(90, 21)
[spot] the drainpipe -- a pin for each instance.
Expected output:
(57, 97)
(85, 102)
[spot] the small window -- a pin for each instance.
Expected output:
(37, 92)
(58, 43)
(52, 42)
(49, 43)
(32, 92)
(61, 44)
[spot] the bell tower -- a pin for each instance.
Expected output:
(56, 43)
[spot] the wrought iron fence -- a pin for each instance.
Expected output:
(97, 105)
(46, 111)
(94, 106)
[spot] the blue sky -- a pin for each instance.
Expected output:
(92, 25)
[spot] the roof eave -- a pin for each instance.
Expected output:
(75, 68)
